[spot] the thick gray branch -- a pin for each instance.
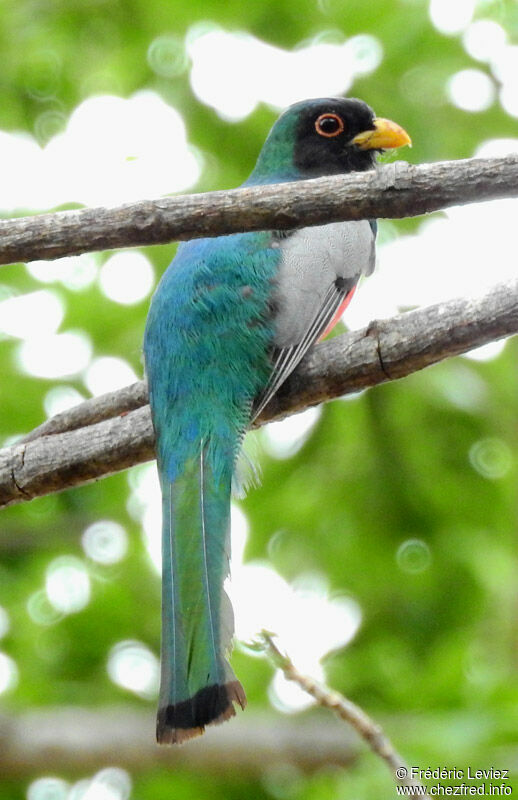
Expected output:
(393, 190)
(80, 740)
(384, 351)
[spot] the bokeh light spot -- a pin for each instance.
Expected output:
(8, 673)
(67, 584)
(48, 124)
(55, 356)
(483, 39)
(133, 666)
(32, 315)
(285, 438)
(145, 505)
(108, 373)
(166, 56)
(111, 783)
(40, 609)
(105, 542)
(413, 556)
(61, 398)
(451, 18)
(471, 90)
(73, 272)
(127, 277)
(491, 457)
(5, 622)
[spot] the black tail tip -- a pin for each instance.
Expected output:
(211, 705)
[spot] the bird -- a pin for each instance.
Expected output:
(231, 318)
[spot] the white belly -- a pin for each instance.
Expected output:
(312, 260)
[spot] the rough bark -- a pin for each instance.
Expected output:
(383, 351)
(392, 190)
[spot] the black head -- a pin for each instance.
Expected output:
(324, 136)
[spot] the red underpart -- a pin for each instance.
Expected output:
(343, 305)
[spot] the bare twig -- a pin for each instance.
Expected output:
(384, 351)
(348, 711)
(393, 190)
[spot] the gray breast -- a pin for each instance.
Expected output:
(312, 260)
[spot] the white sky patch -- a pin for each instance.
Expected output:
(21, 170)
(67, 584)
(145, 504)
(133, 666)
(127, 277)
(108, 373)
(111, 783)
(121, 150)
(496, 147)
(484, 39)
(32, 315)
(58, 356)
(61, 398)
(73, 272)
(461, 254)
(234, 72)
(308, 621)
(509, 98)
(471, 90)
(285, 438)
(451, 17)
(287, 696)
(48, 788)
(113, 150)
(487, 351)
(504, 65)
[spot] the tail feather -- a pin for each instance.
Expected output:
(198, 686)
(187, 719)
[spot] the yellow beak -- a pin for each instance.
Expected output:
(384, 136)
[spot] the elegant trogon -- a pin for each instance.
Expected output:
(231, 318)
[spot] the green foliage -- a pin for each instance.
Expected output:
(391, 497)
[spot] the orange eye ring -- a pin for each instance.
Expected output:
(334, 124)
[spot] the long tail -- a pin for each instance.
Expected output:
(198, 686)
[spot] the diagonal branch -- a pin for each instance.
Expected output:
(114, 438)
(392, 190)
(349, 712)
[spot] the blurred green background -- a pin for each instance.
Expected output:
(387, 522)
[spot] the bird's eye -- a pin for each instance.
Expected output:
(329, 125)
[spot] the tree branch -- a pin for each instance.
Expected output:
(81, 739)
(346, 710)
(392, 190)
(383, 351)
